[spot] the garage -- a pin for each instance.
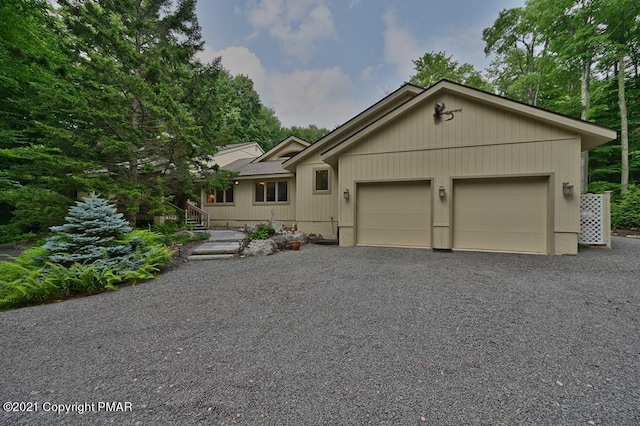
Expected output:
(501, 214)
(394, 214)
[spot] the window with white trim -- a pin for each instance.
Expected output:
(271, 192)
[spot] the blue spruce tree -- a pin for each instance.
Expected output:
(91, 234)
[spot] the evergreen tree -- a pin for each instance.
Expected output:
(137, 60)
(91, 233)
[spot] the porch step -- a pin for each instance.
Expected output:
(197, 226)
(223, 244)
(217, 247)
(210, 257)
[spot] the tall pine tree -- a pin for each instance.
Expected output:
(137, 58)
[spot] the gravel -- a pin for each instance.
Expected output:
(331, 335)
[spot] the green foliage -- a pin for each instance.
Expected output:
(600, 187)
(262, 232)
(175, 232)
(310, 134)
(433, 67)
(21, 286)
(94, 251)
(625, 213)
(90, 234)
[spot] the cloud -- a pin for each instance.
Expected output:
(296, 24)
(239, 60)
(400, 46)
(323, 97)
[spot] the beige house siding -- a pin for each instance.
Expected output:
(244, 210)
(286, 148)
(479, 142)
(317, 213)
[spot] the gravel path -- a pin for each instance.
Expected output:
(331, 336)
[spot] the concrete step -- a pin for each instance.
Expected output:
(217, 247)
(210, 257)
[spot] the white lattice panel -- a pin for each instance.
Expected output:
(592, 219)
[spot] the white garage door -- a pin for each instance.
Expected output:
(394, 214)
(500, 214)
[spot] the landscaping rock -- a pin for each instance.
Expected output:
(301, 236)
(283, 241)
(186, 232)
(250, 227)
(278, 226)
(261, 248)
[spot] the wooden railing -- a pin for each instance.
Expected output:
(194, 214)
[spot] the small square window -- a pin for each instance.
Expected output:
(321, 181)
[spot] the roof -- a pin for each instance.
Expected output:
(246, 167)
(289, 141)
(236, 146)
(591, 134)
(357, 123)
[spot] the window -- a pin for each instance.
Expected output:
(321, 180)
(271, 192)
(221, 196)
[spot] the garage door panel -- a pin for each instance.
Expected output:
(394, 214)
(501, 214)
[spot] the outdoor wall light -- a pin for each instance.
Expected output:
(441, 191)
(236, 183)
(345, 194)
(567, 188)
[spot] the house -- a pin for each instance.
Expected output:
(262, 190)
(447, 167)
(229, 153)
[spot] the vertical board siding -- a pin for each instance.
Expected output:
(478, 142)
(244, 209)
(313, 207)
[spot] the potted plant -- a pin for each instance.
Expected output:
(295, 244)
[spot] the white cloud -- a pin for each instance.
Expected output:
(239, 60)
(322, 97)
(296, 24)
(400, 46)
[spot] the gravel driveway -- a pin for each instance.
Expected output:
(331, 336)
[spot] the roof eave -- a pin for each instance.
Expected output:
(592, 134)
(333, 136)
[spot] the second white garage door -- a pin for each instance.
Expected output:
(394, 214)
(501, 214)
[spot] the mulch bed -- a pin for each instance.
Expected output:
(181, 254)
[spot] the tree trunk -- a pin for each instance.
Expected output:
(133, 204)
(586, 103)
(624, 127)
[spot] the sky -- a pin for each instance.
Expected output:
(322, 62)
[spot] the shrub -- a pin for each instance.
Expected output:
(262, 232)
(89, 254)
(599, 187)
(91, 233)
(21, 286)
(625, 213)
